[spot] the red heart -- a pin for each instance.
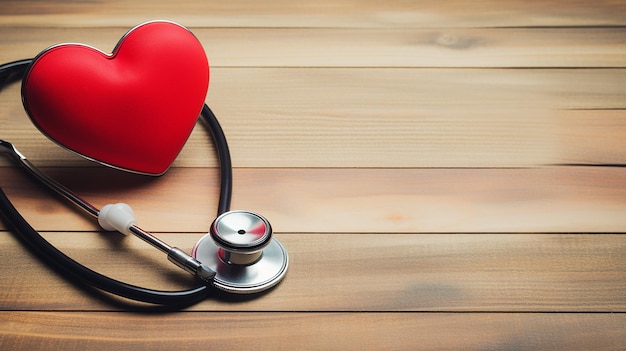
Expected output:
(133, 109)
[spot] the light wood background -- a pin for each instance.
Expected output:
(445, 175)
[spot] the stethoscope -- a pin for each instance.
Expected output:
(238, 255)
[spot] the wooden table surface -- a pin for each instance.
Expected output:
(444, 175)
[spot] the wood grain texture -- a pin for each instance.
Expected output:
(556, 199)
(316, 13)
(445, 175)
(366, 47)
(342, 117)
(312, 331)
(358, 272)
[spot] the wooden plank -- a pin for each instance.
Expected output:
(325, 13)
(365, 47)
(315, 331)
(592, 137)
(281, 117)
(355, 272)
(557, 199)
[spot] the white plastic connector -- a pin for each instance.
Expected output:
(118, 217)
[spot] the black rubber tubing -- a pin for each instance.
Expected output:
(52, 256)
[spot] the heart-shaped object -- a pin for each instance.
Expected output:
(133, 109)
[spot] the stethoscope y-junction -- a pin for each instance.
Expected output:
(238, 255)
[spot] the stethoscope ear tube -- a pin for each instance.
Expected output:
(63, 263)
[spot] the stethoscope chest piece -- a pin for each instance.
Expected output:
(242, 252)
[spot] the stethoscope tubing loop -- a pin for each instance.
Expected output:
(43, 249)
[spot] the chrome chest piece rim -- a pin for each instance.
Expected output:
(242, 252)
